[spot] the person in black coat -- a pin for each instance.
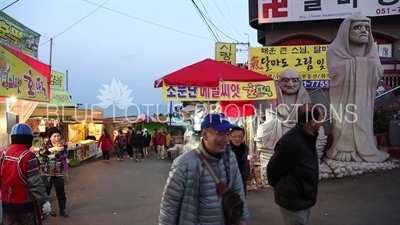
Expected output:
(293, 170)
(241, 151)
(138, 144)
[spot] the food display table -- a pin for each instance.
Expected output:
(82, 150)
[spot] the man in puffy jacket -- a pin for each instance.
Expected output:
(22, 191)
(190, 196)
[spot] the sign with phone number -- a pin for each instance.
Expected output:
(314, 84)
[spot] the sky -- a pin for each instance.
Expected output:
(110, 44)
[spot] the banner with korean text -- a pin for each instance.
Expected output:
(57, 81)
(225, 52)
(20, 80)
(227, 91)
(15, 34)
(308, 60)
(273, 11)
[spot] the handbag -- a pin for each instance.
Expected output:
(232, 204)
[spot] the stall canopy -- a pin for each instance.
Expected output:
(208, 73)
(211, 73)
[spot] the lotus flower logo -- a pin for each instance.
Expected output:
(115, 94)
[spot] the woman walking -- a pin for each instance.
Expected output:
(54, 166)
(106, 144)
(147, 139)
(120, 144)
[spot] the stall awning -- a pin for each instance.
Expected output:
(59, 98)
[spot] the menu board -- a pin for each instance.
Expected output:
(95, 130)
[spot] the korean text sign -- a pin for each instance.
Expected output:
(57, 81)
(18, 35)
(227, 90)
(60, 98)
(225, 52)
(19, 80)
(309, 61)
(272, 11)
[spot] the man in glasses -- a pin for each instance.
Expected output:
(241, 151)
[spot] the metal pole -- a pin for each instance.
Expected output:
(170, 113)
(9, 5)
(391, 90)
(66, 80)
(51, 50)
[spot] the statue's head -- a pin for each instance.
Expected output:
(289, 82)
(359, 32)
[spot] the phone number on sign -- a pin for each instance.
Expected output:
(316, 83)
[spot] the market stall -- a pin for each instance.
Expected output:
(209, 80)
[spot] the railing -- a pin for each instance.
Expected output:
(391, 74)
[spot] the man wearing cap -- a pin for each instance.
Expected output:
(190, 196)
(22, 191)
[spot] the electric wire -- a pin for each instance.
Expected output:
(233, 21)
(76, 23)
(205, 21)
(152, 23)
(214, 25)
(208, 15)
(215, 15)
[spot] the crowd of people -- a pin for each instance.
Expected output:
(138, 144)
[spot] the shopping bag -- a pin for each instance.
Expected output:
(99, 152)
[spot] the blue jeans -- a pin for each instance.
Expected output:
(120, 152)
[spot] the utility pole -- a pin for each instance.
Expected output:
(246, 44)
(51, 50)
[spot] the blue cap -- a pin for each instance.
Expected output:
(216, 121)
(21, 129)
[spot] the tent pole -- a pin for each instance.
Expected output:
(170, 113)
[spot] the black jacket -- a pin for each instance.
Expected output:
(241, 153)
(293, 170)
(138, 140)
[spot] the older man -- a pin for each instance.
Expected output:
(293, 169)
(190, 196)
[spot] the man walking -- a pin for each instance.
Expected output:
(241, 151)
(138, 144)
(293, 170)
(129, 138)
(160, 140)
(190, 196)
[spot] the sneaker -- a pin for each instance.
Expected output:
(107, 161)
(118, 159)
(128, 157)
(162, 158)
(131, 158)
(122, 160)
(136, 160)
(158, 157)
(142, 160)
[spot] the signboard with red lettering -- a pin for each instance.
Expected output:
(272, 11)
(19, 80)
(227, 90)
(15, 34)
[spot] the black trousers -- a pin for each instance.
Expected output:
(139, 151)
(106, 155)
(58, 183)
(129, 150)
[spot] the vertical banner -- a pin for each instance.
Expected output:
(15, 34)
(225, 52)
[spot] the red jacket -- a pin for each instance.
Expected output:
(11, 180)
(160, 139)
(106, 143)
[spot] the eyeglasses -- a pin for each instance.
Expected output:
(237, 137)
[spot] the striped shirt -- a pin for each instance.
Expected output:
(32, 167)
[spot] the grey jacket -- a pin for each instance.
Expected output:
(190, 196)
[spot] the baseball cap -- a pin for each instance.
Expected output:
(216, 121)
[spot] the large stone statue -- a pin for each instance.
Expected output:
(355, 70)
(280, 116)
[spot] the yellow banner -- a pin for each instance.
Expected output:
(60, 98)
(19, 80)
(308, 60)
(226, 91)
(57, 80)
(225, 52)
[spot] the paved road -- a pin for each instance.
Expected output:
(130, 193)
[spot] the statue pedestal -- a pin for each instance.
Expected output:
(264, 156)
(336, 169)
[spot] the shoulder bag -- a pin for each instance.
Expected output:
(232, 204)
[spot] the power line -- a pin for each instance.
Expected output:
(208, 15)
(99, 6)
(205, 21)
(155, 24)
(216, 26)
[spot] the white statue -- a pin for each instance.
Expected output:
(280, 116)
(355, 70)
